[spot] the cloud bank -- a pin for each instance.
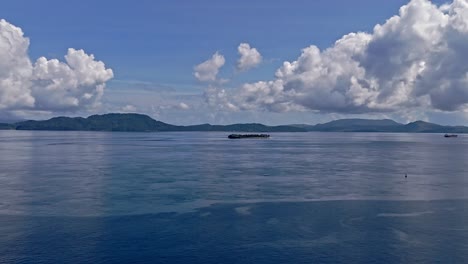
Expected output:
(208, 70)
(249, 57)
(47, 85)
(415, 60)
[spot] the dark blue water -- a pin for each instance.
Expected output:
(84, 197)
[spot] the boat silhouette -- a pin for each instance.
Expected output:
(236, 136)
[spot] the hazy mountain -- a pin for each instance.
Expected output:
(384, 125)
(425, 127)
(421, 126)
(356, 125)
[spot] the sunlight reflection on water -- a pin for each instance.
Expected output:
(100, 173)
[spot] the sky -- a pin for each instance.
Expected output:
(222, 62)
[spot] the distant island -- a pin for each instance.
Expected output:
(144, 123)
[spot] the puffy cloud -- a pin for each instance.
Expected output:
(218, 99)
(183, 106)
(47, 85)
(249, 57)
(76, 84)
(15, 68)
(208, 70)
(415, 60)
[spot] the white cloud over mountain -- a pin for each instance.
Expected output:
(415, 60)
(207, 71)
(47, 85)
(249, 57)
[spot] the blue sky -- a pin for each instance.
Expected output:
(152, 48)
(161, 41)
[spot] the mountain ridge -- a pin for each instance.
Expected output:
(133, 122)
(137, 123)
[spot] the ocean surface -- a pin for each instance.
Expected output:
(98, 197)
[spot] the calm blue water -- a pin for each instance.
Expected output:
(86, 197)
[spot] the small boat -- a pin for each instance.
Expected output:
(450, 135)
(235, 136)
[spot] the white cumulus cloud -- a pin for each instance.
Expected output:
(208, 70)
(249, 57)
(415, 60)
(15, 68)
(47, 85)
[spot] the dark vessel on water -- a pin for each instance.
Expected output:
(235, 136)
(450, 135)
